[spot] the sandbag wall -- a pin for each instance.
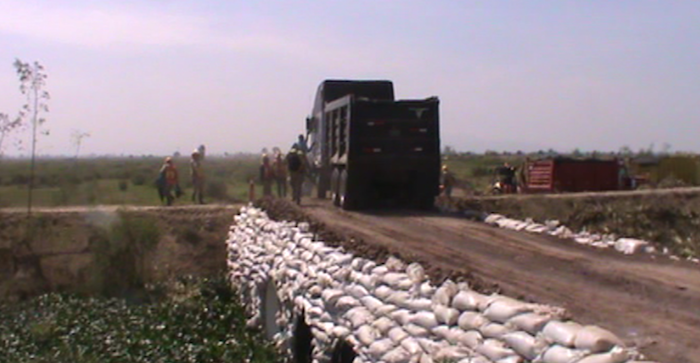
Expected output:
(390, 312)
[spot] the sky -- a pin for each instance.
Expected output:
(155, 77)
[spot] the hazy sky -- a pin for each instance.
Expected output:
(154, 77)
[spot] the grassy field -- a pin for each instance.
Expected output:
(128, 181)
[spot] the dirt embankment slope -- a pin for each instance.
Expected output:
(109, 249)
(652, 304)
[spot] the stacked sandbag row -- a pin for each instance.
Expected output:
(624, 245)
(390, 312)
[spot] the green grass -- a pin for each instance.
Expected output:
(187, 321)
(119, 181)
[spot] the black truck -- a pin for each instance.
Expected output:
(372, 151)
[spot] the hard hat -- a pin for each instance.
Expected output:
(168, 160)
(444, 167)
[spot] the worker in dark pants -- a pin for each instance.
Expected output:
(295, 166)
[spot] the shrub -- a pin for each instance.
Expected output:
(123, 185)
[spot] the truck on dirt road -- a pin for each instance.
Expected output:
(370, 150)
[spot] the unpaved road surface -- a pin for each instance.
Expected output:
(651, 302)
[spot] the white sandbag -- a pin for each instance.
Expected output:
(411, 345)
(315, 291)
(494, 350)
(404, 284)
(616, 355)
(559, 354)
(397, 334)
(502, 310)
(379, 270)
(529, 322)
(385, 310)
(380, 347)
(493, 330)
(394, 264)
(467, 300)
(415, 272)
(493, 218)
(426, 290)
(470, 320)
(366, 334)
(525, 344)
(430, 346)
(368, 267)
(595, 339)
(398, 298)
(425, 319)
(562, 333)
(441, 331)
(358, 316)
(392, 278)
(418, 304)
(371, 303)
(331, 296)
(346, 302)
(416, 331)
(452, 354)
(357, 263)
(340, 331)
(454, 335)
(367, 281)
(441, 296)
(630, 246)
(383, 324)
(397, 355)
(383, 291)
(471, 339)
(446, 315)
(356, 291)
(402, 316)
(511, 359)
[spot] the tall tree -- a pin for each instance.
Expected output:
(32, 78)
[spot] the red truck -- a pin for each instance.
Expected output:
(573, 175)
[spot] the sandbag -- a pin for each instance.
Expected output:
(366, 334)
(415, 272)
(397, 334)
(471, 339)
(394, 264)
(358, 316)
(380, 347)
(470, 320)
(616, 355)
(401, 316)
(383, 292)
(494, 350)
(503, 309)
(446, 315)
(452, 353)
(441, 331)
(397, 355)
(467, 300)
(411, 345)
(529, 322)
(346, 302)
(418, 304)
(562, 333)
(494, 330)
(398, 298)
(595, 339)
(415, 330)
(385, 310)
(371, 303)
(393, 278)
(383, 324)
(425, 319)
(426, 290)
(559, 354)
(525, 344)
(356, 291)
(340, 331)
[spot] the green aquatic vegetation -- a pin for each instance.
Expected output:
(188, 321)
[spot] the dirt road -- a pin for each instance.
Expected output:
(651, 303)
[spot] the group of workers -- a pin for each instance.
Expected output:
(281, 169)
(168, 182)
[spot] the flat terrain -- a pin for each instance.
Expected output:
(651, 302)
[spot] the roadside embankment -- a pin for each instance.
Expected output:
(668, 219)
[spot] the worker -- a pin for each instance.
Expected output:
(280, 173)
(168, 182)
(302, 144)
(266, 175)
(197, 174)
(447, 181)
(507, 178)
(297, 170)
